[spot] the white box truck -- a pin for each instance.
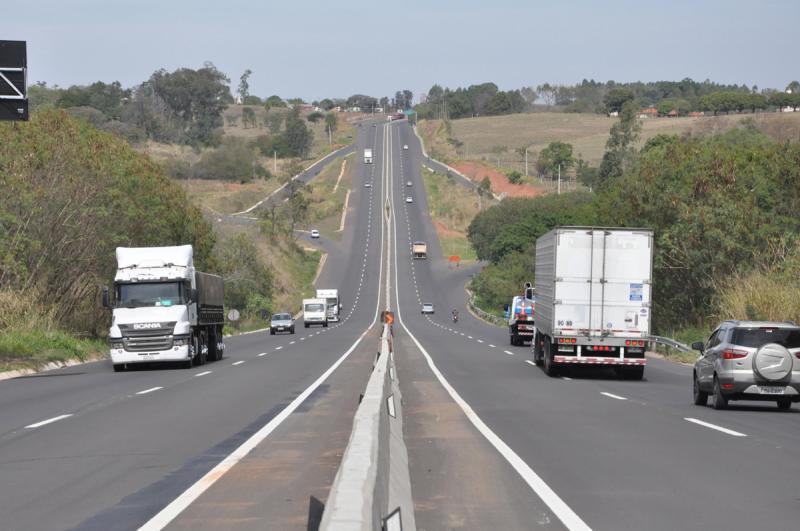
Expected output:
(593, 298)
(419, 250)
(367, 156)
(332, 302)
(315, 312)
(163, 310)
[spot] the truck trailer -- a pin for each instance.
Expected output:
(163, 309)
(367, 156)
(332, 302)
(593, 298)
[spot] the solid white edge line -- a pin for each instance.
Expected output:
(48, 421)
(563, 512)
(203, 373)
(611, 395)
(146, 391)
(179, 504)
(715, 427)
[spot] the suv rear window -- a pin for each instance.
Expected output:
(757, 337)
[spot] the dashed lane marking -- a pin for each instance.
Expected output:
(615, 397)
(714, 427)
(203, 373)
(146, 391)
(508, 352)
(529, 362)
(237, 362)
(48, 421)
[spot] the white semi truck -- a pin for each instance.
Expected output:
(593, 298)
(163, 310)
(368, 156)
(332, 303)
(315, 312)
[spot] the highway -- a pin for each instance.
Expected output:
(492, 441)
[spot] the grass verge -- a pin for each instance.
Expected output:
(35, 348)
(325, 211)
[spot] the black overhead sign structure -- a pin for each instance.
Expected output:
(13, 80)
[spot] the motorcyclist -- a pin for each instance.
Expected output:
(455, 315)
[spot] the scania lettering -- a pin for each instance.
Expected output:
(163, 310)
(593, 298)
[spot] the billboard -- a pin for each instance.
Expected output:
(13, 80)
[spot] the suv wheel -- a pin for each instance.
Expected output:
(718, 400)
(784, 404)
(700, 396)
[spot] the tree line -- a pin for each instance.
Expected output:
(723, 207)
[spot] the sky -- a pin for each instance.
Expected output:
(318, 49)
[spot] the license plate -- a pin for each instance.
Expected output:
(280, 328)
(769, 390)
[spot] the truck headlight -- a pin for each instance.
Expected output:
(180, 341)
(117, 344)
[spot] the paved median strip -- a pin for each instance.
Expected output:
(610, 395)
(48, 421)
(147, 391)
(714, 427)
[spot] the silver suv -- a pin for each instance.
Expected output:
(749, 360)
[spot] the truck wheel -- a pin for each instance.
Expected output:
(718, 400)
(550, 368)
(306, 325)
(511, 340)
(325, 325)
(537, 350)
(197, 347)
(784, 404)
(119, 367)
(213, 351)
(700, 396)
(271, 332)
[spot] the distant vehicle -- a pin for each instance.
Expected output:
(314, 233)
(367, 184)
(427, 307)
(409, 183)
(314, 312)
(164, 310)
(405, 146)
(593, 298)
(281, 322)
(409, 199)
(332, 302)
(419, 250)
(520, 316)
(748, 360)
(368, 156)
(397, 116)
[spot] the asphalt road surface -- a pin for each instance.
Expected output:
(492, 441)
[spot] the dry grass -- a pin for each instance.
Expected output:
(327, 204)
(762, 296)
(225, 197)
(484, 136)
(452, 208)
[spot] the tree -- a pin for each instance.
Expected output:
(547, 93)
(327, 104)
(331, 122)
(274, 121)
(248, 117)
(485, 187)
(556, 155)
(298, 136)
(274, 101)
(530, 95)
(616, 98)
(435, 94)
(514, 177)
(620, 146)
(314, 117)
(244, 86)
(793, 87)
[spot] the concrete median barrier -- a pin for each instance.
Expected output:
(373, 480)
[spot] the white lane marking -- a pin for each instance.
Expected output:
(302, 339)
(468, 337)
(610, 395)
(493, 346)
(203, 373)
(567, 378)
(237, 362)
(146, 391)
(529, 362)
(563, 512)
(508, 352)
(48, 421)
(715, 427)
(262, 354)
(292, 342)
(278, 348)
(179, 504)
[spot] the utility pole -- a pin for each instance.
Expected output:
(526, 162)
(275, 162)
(330, 141)
(559, 179)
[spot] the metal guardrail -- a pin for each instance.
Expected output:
(486, 316)
(671, 343)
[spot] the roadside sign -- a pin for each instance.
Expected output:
(13, 80)
(387, 317)
(233, 315)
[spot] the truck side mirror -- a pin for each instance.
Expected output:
(193, 295)
(106, 298)
(698, 345)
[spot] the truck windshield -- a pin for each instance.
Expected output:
(150, 294)
(314, 308)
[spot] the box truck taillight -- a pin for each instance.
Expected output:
(634, 343)
(567, 340)
(733, 354)
(600, 347)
